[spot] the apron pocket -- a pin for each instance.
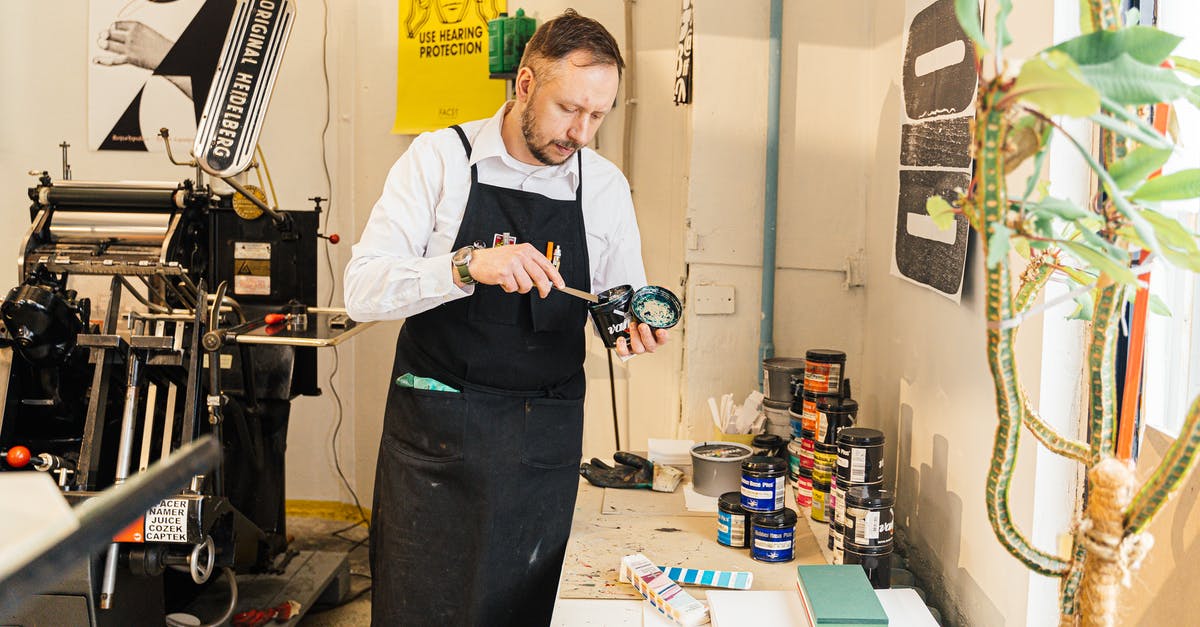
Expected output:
(553, 433)
(492, 304)
(425, 424)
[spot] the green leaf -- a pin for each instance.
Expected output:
(1189, 66)
(1137, 165)
(967, 12)
(941, 212)
(1079, 277)
(1085, 17)
(1144, 43)
(1158, 306)
(1050, 83)
(1021, 245)
(1003, 38)
(1063, 209)
(1177, 186)
(1117, 271)
(1130, 82)
(998, 244)
(1084, 308)
(1127, 123)
(1170, 231)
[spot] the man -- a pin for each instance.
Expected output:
(477, 472)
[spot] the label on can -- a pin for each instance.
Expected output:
(808, 417)
(858, 465)
(764, 494)
(803, 492)
(818, 505)
(838, 549)
(731, 529)
(838, 496)
(822, 378)
(773, 545)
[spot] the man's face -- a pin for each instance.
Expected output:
(566, 108)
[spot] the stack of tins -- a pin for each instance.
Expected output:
(861, 532)
(824, 379)
(782, 378)
(760, 508)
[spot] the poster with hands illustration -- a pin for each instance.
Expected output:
(150, 65)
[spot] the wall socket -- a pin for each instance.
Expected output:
(713, 299)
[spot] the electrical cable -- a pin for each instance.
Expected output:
(233, 601)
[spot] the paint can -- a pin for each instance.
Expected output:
(833, 415)
(860, 456)
(781, 377)
(875, 562)
(767, 444)
(836, 535)
(797, 419)
(764, 484)
(804, 487)
(824, 462)
(793, 449)
(837, 494)
(869, 519)
(779, 421)
(808, 411)
(806, 450)
(824, 370)
(717, 467)
(656, 306)
(733, 522)
(611, 314)
(820, 494)
(774, 536)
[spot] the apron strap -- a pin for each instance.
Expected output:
(467, 147)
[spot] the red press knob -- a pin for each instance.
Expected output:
(333, 237)
(274, 318)
(17, 457)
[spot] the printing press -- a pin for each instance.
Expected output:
(95, 393)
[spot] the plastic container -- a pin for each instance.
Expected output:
(806, 451)
(656, 306)
(876, 562)
(774, 536)
(717, 467)
(496, 43)
(868, 517)
(825, 454)
(611, 314)
(793, 449)
(767, 444)
(764, 484)
(808, 412)
(860, 456)
(779, 421)
(781, 377)
(836, 542)
(823, 371)
(733, 522)
(804, 487)
(797, 421)
(820, 493)
(824, 464)
(837, 495)
(833, 415)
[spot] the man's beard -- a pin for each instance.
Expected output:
(542, 150)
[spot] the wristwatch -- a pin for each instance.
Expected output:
(462, 264)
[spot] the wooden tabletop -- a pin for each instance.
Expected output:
(610, 524)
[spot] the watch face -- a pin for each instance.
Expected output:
(462, 256)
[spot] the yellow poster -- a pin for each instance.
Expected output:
(442, 70)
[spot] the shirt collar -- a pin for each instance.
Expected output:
(489, 144)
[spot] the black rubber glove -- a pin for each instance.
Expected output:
(631, 471)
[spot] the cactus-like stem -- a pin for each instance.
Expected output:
(1174, 467)
(1101, 359)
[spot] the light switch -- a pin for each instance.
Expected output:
(713, 299)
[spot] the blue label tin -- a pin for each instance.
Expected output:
(774, 536)
(733, 522)
(764, 481)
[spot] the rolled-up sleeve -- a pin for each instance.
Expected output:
(389, 277)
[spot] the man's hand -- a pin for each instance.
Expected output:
(133, 43)
(643, 338)
(515, 268)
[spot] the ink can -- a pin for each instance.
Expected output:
(860, 456)
(876, 563)
(833, 415)
(764, 484)
(804, 486)
(824, 462)
(793, 450)
(824, 370)
(837, 496)
(781, 378)
(806, 450)
(820, 494)
(733, 522)
(796, 415)
(808, 412)
(836, 532)
(774, 536)
(869, 517)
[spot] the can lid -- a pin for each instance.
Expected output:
(837, 405)
(860, 436)
(784, 364)
(782, 518)
(722, 451)
(825, 355)
(777, 405)
(822, 447)
(730, 502)
(762, 463)
(870, 497)
(858, 549)
(767, 440)
(808, 434)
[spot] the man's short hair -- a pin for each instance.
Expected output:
(572, 32)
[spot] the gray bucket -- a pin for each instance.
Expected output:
(781, 377)
(717, 467)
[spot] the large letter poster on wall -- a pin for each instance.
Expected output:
(442, 66)
(939, 83)
(150, 65)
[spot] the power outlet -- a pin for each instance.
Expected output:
(713, 299)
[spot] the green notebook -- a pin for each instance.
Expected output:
(839, 595)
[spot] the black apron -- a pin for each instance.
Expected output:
(474, 491)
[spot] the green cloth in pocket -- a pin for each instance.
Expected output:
(409, 380)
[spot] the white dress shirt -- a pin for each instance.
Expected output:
(401, 265)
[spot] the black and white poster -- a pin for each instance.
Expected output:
(150, 66)
(683, 56)
(938, 90)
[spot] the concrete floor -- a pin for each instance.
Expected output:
(317, 534)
